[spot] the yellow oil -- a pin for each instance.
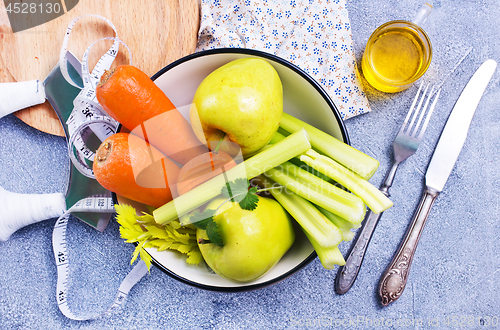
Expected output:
(394, 59)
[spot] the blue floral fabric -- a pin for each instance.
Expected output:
(315, 35)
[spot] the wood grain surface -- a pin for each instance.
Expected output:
(157, 32)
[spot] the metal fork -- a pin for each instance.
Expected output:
(405, 144)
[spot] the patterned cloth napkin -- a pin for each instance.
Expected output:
(315, 35)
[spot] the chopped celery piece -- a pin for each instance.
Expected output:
(324, 232)
(372, 197)
(294, 145)
(355, 160)
(325, 187)
(351, 210)
(329, 256)
(296, 161)
(344, 225)
(283, 132)
(277, 137)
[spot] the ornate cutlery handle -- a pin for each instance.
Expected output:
(394, 279)
(347, 274)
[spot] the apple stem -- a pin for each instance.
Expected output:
(216, 150)
(204, 241)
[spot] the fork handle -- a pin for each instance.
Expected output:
(348, 273)
(393, 280)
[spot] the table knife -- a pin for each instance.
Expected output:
(451, 141)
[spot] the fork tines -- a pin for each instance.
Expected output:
(417, 113)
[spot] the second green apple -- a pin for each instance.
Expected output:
(254, 241)
(240, 102)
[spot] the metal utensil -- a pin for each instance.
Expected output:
(405, 144)
(443, 160)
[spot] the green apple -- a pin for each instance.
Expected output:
(254, 241)
(240, 102)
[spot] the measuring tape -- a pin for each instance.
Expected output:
(96, 204)
(87, 118)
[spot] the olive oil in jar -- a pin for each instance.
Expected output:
(395, 56)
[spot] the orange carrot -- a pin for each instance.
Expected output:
(127, 165)
(129, 96)
(203, 168)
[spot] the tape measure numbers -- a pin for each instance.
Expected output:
(87, 118)
(59, 242)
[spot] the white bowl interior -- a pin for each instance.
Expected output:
(301, 99)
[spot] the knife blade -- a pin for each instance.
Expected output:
(20, 210)
(446, 153)
(455, 132)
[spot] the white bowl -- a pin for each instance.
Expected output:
(303, 98)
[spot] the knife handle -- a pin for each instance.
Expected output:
(19, 210)
(393, 281)
(20, 95)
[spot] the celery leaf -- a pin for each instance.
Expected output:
(205, 220)
(146, 233)
(238, 191)
(250, 201)
(202, 219)
(213, 234)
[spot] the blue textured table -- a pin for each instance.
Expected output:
(455, 274)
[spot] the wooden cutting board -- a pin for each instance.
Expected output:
(157, 32)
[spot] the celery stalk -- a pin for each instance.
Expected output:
(329, 256)
(344, 225)
(297, 162)
(372, 197)
(355, 160)
(294, 145)
(312, 221)
(353, 212)
(325, 187)
(278, 137)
